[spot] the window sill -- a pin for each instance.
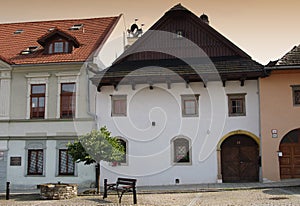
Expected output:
(118, 115)
(66, 175)
(237, 115)
(184, 116)
(182, 164)
(35, 175)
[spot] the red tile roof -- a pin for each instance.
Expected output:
(2, 58)
(93, 33)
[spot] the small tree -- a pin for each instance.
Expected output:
(96, 146)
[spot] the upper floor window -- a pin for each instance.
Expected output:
(190, 105)
(296, 95)
(118, 105)
(236, 104)
(37, 101)
(181, 151)
(67, 100)
(59, 46)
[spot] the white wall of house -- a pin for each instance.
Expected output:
(18, 174)
(149, 147)
(5, 84)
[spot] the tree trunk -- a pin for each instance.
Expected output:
(98, 178)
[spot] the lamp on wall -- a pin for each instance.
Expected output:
(279, 153)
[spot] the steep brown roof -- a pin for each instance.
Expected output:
(92, 34)
(292, 58)
(152, 48)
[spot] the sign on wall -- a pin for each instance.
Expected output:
(15, 161)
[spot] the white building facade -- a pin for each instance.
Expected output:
(178, 123)
(46, 97)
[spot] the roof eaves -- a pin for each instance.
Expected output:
(100, 41)
(2, 58)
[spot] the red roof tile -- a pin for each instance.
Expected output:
(2, 58)
(93, 33)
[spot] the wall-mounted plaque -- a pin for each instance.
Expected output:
(15, 161)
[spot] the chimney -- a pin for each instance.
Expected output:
(134, 33)
(204, 18)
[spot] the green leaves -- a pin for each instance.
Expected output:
(96, 146)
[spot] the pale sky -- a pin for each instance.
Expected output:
(265, 29)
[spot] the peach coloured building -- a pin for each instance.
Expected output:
(280, 118)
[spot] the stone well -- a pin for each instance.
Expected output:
(58, 191)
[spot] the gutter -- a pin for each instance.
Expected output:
(46, 64)
(283, 67)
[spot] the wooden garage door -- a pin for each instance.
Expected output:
(240, 159)
(290, 160)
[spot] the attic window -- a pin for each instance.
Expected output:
(179, 34)
(29, 50)
(19, 31)
(76, 27)
(59, 46)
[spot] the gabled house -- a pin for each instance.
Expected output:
(280, 122)
(46, 99)
(183, 100)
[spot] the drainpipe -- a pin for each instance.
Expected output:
(259, 130)
(93, 115)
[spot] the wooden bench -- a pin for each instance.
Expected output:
(122, 186)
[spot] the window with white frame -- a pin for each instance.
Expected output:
(181, 150)
(37, 101)
(190, 105)
(35, 157)
(37, 95)
(67, 100)
(118, 105)
(68, 93)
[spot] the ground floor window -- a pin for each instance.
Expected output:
(35, 161)
(124, 157)
(66, 163)
(181, 151)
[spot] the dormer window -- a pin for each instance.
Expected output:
(59, 46)
(58, 42)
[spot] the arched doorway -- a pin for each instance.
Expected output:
(290, 159)
(240, 159)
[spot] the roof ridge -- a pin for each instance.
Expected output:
(58, 20)
(178, 7)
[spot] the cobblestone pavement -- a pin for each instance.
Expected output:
(261, 197)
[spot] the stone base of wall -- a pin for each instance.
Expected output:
(58, 191)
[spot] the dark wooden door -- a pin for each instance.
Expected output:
(240, 159)
(290, 160)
